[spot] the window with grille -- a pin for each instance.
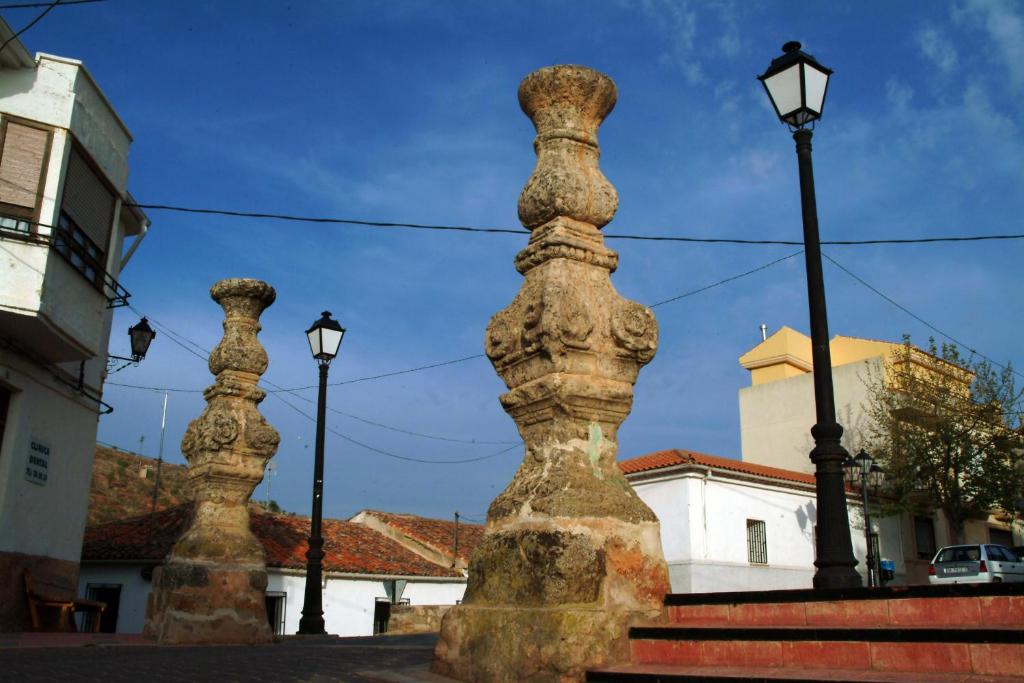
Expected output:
(24, 152)
(757, 542)
(86, 218)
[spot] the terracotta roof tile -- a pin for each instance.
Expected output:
(438, 534)
(669, 458)
(348, 547)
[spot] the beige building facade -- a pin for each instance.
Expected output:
(777, 412)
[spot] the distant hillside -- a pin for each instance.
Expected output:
(122, 485)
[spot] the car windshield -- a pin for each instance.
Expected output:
(960, 553)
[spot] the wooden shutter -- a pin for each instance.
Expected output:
(21, 165)
(88, 200)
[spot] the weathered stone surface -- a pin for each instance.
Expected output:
(210, 589)
(571, 556)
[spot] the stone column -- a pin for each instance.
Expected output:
(571, 556)
(211, 587)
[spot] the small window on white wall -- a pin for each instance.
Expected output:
(757, 542)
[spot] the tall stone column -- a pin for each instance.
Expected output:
(571, 556)
(211, 587)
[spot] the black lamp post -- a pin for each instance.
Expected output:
(796, 84)
(863, 471)
(324, 341)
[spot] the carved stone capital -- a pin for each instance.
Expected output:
(567, 104)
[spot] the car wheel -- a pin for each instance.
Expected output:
(997, 580)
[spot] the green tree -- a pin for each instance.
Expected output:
(947, 429)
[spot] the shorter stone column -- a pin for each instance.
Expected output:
(211, 587)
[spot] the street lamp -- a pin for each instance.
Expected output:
(325, 337)
(141, 335)
(863, 471)
(796, 84)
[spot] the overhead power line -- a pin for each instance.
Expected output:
(916, 317)
(521, 231)
(728, 279)
(51, 5)
(30, 24)
(186, 343)
(172, 335)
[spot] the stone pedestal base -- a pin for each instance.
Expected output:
(540, 645)
(197, 603)
(549, 599)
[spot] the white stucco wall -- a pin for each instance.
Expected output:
(349, 602)
(776, 417)
(131, 613)
(704, 532)
(46, 520)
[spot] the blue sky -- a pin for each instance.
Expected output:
(407, 111)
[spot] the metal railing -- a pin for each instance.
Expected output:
(105, 283)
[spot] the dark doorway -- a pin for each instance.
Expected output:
(381, 615)
(275, 612)
(5, 402)
(109, 593)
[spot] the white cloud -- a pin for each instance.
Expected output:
(1006, 28)
(937, 48)
(898, 93)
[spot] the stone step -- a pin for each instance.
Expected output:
(993, 605)
(655, 673)
(971, 650)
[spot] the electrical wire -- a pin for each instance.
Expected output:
(918, 318)
(63, 3)
(173, 336)
(30, 24)
(292, 390)
(519, 231)
(728, 279)
(389, 454)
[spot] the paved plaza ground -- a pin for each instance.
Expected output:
(381, 659)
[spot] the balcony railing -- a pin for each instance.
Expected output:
(75, 250)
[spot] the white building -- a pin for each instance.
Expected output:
(365, 570)
(728, 525)
(64, 218)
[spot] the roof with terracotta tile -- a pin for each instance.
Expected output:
(674, 457)
(438, 534)
(348, 548)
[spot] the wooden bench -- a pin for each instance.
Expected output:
(57, 593)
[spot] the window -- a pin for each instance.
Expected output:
(86, 217)
(276, 602)
(24, 153)
(81, 252)
(757, 542)
(1000, 536)
(924, 536)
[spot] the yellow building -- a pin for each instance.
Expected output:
(777, 412)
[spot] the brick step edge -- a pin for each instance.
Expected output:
(887, 634)
(670, 674)
(806, 595)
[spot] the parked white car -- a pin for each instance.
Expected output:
(975, 564)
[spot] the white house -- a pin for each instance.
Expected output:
(729, 525)
(64, 218)
(365, 570)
